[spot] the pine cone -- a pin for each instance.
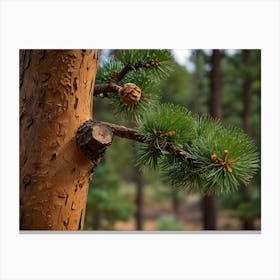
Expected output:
(130, 93)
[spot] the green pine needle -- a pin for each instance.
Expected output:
(180, 174)
(225, 158)
(221, 159)
(166, 124)
(205, 124)
(156, 62)
(147, 155)
(149, 97)
(108, 70)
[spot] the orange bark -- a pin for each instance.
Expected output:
(56, 88)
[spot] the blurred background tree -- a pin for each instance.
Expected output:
(168, 222)
(242, 101)
(209, 203)
(107, 203)
(148, 201)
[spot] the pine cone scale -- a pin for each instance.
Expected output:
(130, 93)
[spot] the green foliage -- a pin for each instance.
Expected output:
(106, 199)
(168, 123)
(155, 64)
(120, 159)
(108, 70)
(168, 222)
(220, 159)
(247, 207)
(149, 95)
(177, 87)
(234, 73)
(249, 210)
(237, 159)
(205, 125)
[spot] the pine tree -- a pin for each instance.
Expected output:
(61, 145)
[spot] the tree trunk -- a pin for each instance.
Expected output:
(197, 76)
(139, 199)
(56, 88)
(175, 203)
(96, 220)
(247, 85)
(215, 77)
(209, 202)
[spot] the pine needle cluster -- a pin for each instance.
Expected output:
(219, 159)
(149, 97)
(167, 124)
(144, 68)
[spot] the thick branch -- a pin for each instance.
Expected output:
(125, 132)
(132, 134)
(94, 136)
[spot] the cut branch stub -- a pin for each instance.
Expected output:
(93, 138)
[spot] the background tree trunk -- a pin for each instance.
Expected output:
(215, 86)
(247, 86)
(96, 220)
(209, 204)
(197, 77)
(175, 203)
(56, 89)
(139, 199)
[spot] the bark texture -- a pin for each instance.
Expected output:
(56, 89)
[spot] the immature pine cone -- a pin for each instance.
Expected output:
(130, 93)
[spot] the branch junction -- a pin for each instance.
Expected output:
(91, 142)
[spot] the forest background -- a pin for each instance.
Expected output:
(124, 197)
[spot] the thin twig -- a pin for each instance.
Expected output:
(112, 84)
(106, 88)
(128, 68)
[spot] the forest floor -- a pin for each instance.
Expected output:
(189, 216)
(157, 206)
